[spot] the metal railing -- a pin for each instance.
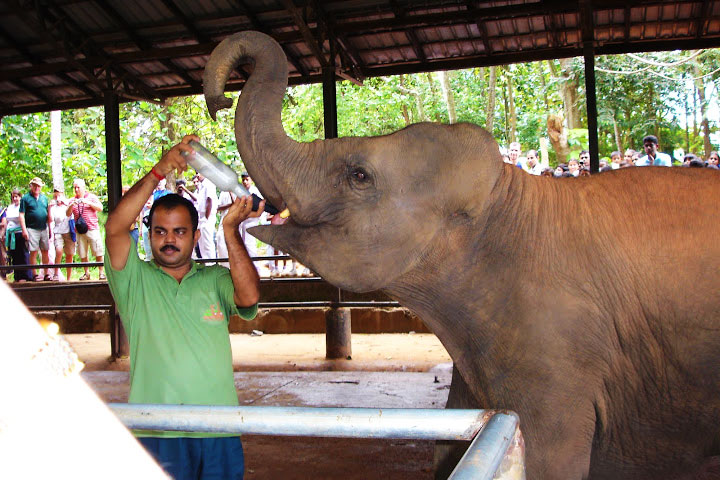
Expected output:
(98, 264)
(492, 432)
(267, 305)
(262, 305)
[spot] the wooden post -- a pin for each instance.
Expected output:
(588, 35)
(119, 345)
(338, 334)
(118, 339)
(330, 103)
(337, 320)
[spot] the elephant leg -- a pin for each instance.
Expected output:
(448, 452)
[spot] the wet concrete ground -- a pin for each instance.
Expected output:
(387, 371)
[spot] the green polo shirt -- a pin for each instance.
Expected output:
(35, 210)
(178, 333)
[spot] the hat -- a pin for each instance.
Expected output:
(59, 188)
(244, 174)
(37, 181)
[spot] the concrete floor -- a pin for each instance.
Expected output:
(419, 352)
(386, 371)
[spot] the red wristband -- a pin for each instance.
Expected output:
(156, 174)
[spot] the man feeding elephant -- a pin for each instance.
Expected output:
(176, 315)
(612, 368)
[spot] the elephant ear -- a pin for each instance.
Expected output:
(472, 165)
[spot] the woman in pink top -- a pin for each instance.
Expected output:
(87, 205)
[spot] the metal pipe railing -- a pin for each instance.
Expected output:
(97, 264)
(58, 308)
(487, 451)
(320, 304)
(405, 423)
(491, 432)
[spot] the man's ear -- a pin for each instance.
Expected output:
(196, 237)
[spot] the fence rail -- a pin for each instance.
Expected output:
(266, 305)
(98, 264)
(492, 432)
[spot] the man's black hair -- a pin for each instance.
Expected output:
(170, 201)
(650, 138)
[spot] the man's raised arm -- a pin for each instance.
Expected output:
(117, 228)
(242, 270)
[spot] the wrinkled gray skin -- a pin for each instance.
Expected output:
(589, 306)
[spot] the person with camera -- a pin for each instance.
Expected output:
(84, 208)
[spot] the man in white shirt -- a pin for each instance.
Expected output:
(532, 165)
(652, 156)
(206, 205)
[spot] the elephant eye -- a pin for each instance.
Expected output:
(359, 175)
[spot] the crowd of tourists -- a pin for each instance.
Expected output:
(36, 229)
(580, 166)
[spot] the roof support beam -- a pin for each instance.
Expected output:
(35, 60)
(399, 12)
(118, 19)
(57, 24)
(197, 34)
(480, 24)
(307, 35)
(339, 43)
(255, 23)
(702, 19)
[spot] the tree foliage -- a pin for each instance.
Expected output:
(671, 94)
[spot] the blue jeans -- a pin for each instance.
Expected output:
(198, 458)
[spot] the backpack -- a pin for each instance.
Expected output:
(81, 225)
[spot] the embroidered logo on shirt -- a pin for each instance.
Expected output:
(214, 314)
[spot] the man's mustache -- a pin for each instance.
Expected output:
(167, 248)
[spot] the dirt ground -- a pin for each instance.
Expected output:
(386, 371)
(417, 352)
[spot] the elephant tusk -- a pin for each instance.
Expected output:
(285, 213)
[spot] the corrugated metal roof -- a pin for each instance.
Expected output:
(58, 54)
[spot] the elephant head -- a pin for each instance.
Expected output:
(364, 210)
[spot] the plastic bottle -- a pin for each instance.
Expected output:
(224, 177)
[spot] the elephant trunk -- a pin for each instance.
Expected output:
(269, 155)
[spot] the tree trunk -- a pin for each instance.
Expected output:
(569, 85)
(431, 84)
(418, 102)
(707, 147)
(628, 138)
(695, 110)
(505, 115)
(490, 107)
(405, 113)
(511, 108)
(687, 121)
(56, 149)
(618, 135)
(558, 137)
(543, 84)
(168, 126)
(448, 95)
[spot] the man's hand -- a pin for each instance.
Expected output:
(240, 210)
(173, 159)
